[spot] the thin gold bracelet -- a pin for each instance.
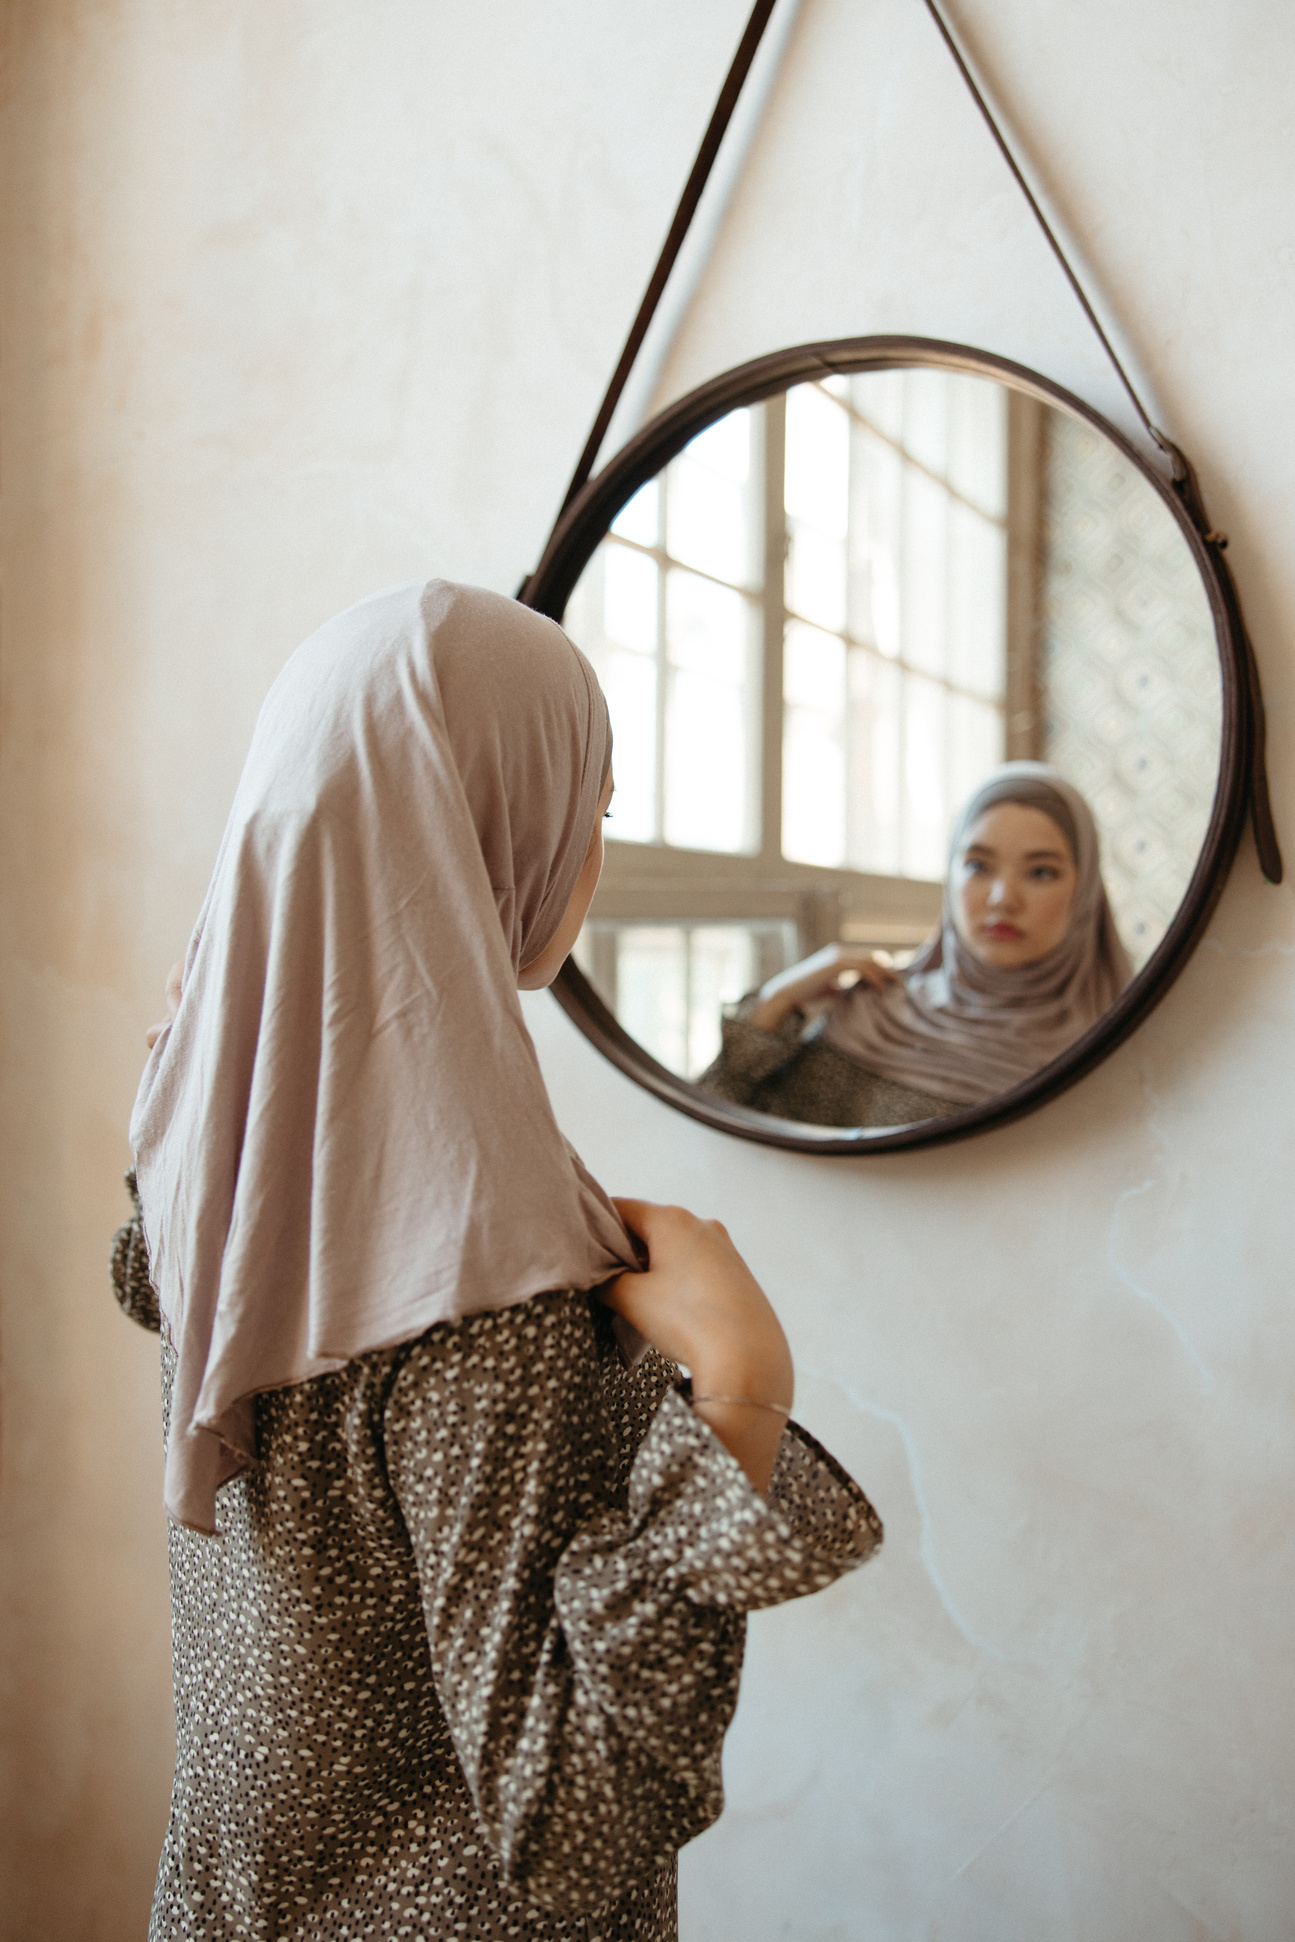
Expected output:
(750, 1402)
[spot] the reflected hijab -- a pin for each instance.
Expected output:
(963, 1030)
(344, 1136)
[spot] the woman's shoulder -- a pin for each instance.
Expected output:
(867, 1097)
(560, 1340)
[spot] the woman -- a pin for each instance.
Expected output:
(457, 1595)
(1026, 958)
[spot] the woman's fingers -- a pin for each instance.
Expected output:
(662, 1229)
(824, 971)
(631, 1211)
(697, 1294)
(174, 993)
(874, 974)
(698, 1302)
(861, 970)
(866, 963)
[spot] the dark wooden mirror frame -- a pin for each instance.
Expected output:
(584, 525)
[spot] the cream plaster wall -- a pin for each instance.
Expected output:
(305, 298)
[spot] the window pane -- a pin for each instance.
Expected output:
(638, 519)
(706, 766)
(876, 501)
(926, 419)
(652, 990)
(926, 805)
(629, 683)
(583, 619)
(813, 755)
(978, 442)
(711, 801)
(710, 509)
(977, 602)
(721, 969)
(926, 508)
(706, 520)
(975, 747)
(628, 677)
(813, 670)
(818, 460)
(706, 628)
(816, 575)
(629, 600)
(725, 447)
(878, 396)
(873, 764)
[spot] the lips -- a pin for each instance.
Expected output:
(1003, 932)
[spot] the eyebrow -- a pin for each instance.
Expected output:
(1031, 856)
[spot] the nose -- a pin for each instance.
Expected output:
(1002, 893)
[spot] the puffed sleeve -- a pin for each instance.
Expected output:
(749, 1055)
(136, 1295)
(586, 1638)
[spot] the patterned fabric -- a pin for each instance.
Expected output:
(793, 1074)
(461, 1661)
(131, 1283)
(1129, 671)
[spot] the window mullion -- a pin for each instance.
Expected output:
(773, 627)
(1025, 434)
(662, 655)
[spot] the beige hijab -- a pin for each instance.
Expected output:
(344, 1137)
(963, 1030)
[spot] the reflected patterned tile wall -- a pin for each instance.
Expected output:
(1129, 672)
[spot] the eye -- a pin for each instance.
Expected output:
(1045, 872)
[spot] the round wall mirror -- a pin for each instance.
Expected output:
(928, 737)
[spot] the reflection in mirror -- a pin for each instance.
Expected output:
(820, 629)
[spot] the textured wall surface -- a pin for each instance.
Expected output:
(1129, 666)
(304, 299)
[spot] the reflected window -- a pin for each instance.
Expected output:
(820, 628)
(669, 611)
(800, 625)
(895, 651)
(886, 498)
(667, 983)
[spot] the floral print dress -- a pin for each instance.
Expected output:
(461, 1661)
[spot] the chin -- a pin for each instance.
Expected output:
(1005, 957)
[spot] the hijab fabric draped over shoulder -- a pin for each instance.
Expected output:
(965, 1030)
(344, 1136)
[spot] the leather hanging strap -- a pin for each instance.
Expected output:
(683, 215)
(1185, 485)
(1184, 482)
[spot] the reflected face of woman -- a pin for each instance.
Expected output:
(1014, 884)
(541, 971)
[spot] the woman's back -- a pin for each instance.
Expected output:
(458, 1601)
(576, 1548)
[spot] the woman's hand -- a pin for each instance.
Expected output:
(830, 970)
(699, 1303)
(173, 991)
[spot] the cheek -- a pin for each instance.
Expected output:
(968, 902)
(1053, 908)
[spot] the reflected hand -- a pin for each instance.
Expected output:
(829, 971)
(698, 1302)
(174, 987)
